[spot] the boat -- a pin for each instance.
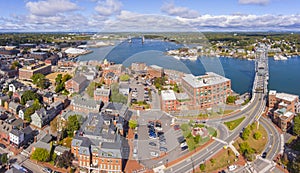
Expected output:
(280, 57)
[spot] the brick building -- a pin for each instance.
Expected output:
(102, 94)
(28, 71)
(155, 71)
(284, 108)
(98, 144)
(206, 90)
(77, 84)
(169, 102)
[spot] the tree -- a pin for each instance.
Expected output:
(246, 133)
(59, 87)
(39, 80)
(29, 95)
(202, 166)
(28, 112)
(66, 77)
(58, 79)
(247, 150)
(124, 77)
(64, 160)
(10, 93)
(72, 125)
(40, 154)
(91, 88)
(296, 128)
(213, 161)
(4, 158)
(257, 135)
(133, 124)
(230, 99)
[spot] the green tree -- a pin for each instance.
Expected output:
(91, 88)
(230, 99)
(296, 128)
(202, 166)
(257, 135)
(58, 79)
(213, 161)
(40, 154)
(59, 87)
(246, 150)
(10, 93)
(72, 125)
(246, 133)
(133, 124)
(40, 81)
(124, 77)
(29, 95)
(4, 158)
(64, 160)
(27, 114)
(66, 77)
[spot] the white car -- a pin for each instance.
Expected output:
(232, 167)
(154, 154)
(183, 144)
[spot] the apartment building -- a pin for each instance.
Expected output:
(98, 144)
(206, 90)
(169, 102)
(284, 108)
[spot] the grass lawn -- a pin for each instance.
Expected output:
(227, 112)
(233, 124)
(223, 159)
(257, 145)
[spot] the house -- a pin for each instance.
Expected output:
(168, 101)
(102, 94)
(110, 78)
(124, 88)
(39, 118)
(16, 137)
(3, 99)
(48, 98)
(155, 71)
(80, 104)
(59, 150)
(14, 107)
(77, 84)
(22, 113)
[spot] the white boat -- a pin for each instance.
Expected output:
(280, 57)
(176, 57)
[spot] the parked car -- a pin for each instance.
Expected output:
(136, 136)
(2, 146)
(164, 149)
(184, 148)
(176, 127)
(152, 144)
(154, 154)
(160, 134)
(232, 167)
(46, 169)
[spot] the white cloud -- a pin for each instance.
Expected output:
(136, 22)
(259, 2)
(173, 10)
(108, 7)
(51, 7)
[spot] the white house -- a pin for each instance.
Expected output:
(39, 118)
(11, 87)
(16, 137)
(21, 113)
(124, 88)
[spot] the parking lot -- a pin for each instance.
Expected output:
(156, 137)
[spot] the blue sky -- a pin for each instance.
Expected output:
(145, 15)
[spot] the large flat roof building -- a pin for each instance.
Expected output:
(28, 71)
(206, 90)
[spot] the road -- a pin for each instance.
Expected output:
(254, 109)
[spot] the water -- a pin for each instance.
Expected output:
(284, 75)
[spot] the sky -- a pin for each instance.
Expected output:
(149, 15)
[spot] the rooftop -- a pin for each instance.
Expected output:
(287, 97)
(168, 95)
(272, 92)
(102, 92)
(79, 79)
(208, 79)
